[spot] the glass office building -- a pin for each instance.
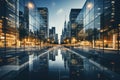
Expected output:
(16, 15)
(43, 11)
(72, 18)
(101, 22)
(19, 26)
(9, 23)
(31, 20)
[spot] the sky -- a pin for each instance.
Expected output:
(59, 11)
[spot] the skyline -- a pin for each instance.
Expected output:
(88, 47)
(59, 11)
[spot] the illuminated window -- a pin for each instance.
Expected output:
(73, 26)
(112, 13)
(113, 2)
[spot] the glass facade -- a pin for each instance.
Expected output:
(30, 23)
(19, 29)
(43, 11)
(9, 23)
(19, 24)
(73, 24)
(9, 34)
(101, 23)
(79, 22)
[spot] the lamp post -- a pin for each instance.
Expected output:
(30, 6)
(73, 41)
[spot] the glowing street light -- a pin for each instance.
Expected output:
(73, 40)
(105, 41)
(89, 5)
(30, 5)
(48, 40)
(67, 40)
(52, 41)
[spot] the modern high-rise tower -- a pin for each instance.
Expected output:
(44, 13)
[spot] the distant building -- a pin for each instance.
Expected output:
(66, 32)
(42, 33)
(61, 39)
(73, 14)
(56, 38)
(52, 34)
(73, 25)
(44, 13)
(68, 29)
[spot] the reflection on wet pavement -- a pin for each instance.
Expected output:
(59, 64)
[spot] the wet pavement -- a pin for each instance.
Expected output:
(60, 64)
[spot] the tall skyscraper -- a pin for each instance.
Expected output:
(44, 13)
(9, 22)
(52, 34)
(73, 14)
(101, 23)
(73, 25)
(56, 38)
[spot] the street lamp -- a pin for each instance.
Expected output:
(73, 41)
(68, 41)
(89, 5)
(48, 41)
(30, 5)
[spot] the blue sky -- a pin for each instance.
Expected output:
(58, 9)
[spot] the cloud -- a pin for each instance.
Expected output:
(60, 11)
(53, 4)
